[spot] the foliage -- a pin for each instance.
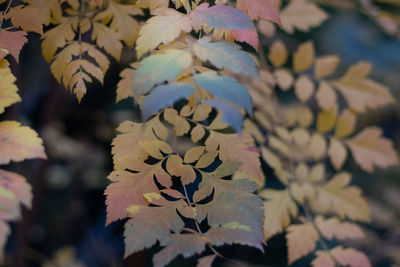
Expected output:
(17, 144)
(194, 84)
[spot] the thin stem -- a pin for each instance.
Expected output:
(191, 204)
(5, 12)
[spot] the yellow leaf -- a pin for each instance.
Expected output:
(193, 154)
(325, 66)
(188, 175)
(252, 129)
(127, 153)
(124, 86)
(317, 146)
(326, 119)
(317, 173)
(181, 126)
(202, 112)
(270, 158)
(279, 208)
(346, 201)
(300, 137)
(303, 58)
(151, 4)
(278, 145)
(301, 172)
(58, 37)
(301, 15)
(326, 96)
(370, 149)
(8, 90)
(283, 134)
(360, 92)
(197, 133)
(206, 159)
(174, 165)
(50, 10)
(344, 257)
(266, 28)
(305, 116)
(301, 239)
(284, 79)
(278, 53)
(337, 153)
(154, 148)
(346, 124)
(108, 39)
(119, 17)
(164, 27)
(304, 88)
(333, 228)
(275, 163)
(18, 143)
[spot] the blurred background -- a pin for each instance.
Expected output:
(65, 226)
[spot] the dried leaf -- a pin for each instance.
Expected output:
(304, 88)
(346, 124)
(278, 53)
(337, 153)
(325, 66)
(333, 228)
(301, 239)
(302, 15)
(164, 27)
(303, 58)
(279, 208)
(360, 92)
(326, 96)
(18, 143)
(346, 201)
(370, 149)
(8, 90)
